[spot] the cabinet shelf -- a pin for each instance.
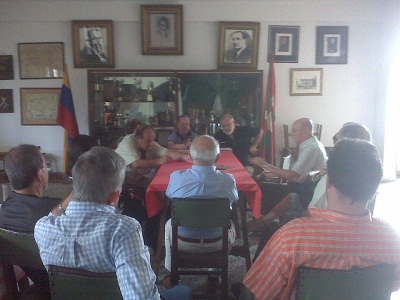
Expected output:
(176, 92)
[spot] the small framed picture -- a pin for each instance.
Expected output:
(283, 43)
(306, 82)
(162, 29)
(39, 106)
(41, 60)
(238, 45)
(6, 101)
(331, 45)
(93, 44)
(6, 67)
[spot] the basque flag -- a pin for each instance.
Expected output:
(66, 112)
(269, 115)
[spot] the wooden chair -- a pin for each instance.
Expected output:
(317, 132)
(70, 284)
(370, 283)
(200, 213)
(19, 249)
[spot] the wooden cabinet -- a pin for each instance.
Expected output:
(159, 97)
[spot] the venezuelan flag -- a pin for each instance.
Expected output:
(66, 115)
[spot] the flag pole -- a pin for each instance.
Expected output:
(65, 151)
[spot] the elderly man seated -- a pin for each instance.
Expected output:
(203, 180)
(312, 156)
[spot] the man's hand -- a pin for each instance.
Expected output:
(164, 159)
(253, 150)
(258, 161)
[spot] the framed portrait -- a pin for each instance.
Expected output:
(39, 106)
(41, 60)
(238, 45)
(283, 43)
(331, 45)
(306, 82)
(93, 44)
(6, 67)
(162, 29)
(6, 101)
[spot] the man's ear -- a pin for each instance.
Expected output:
(217, 158)
(113, 198)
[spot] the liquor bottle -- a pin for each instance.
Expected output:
(212, 127)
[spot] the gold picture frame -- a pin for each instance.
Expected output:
(41, 60)
(238, 45)
(306, 82)
(39, 106)
(93, 45)
(162, 29)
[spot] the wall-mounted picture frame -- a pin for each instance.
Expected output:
(238, 45)
(332, 44)
(6, 67)
(306, 82)
(162, 29)
(283, 43)
(6, 101)
(41, 60)
(93, 43)
(39, 106)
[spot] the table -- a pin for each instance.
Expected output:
(245, 184)
(248, 189)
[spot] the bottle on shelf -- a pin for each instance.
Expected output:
(212, 124)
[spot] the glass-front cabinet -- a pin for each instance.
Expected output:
(159, 97)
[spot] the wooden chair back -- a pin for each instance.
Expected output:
(370, 283)
(19, 249)
(70, 284)
(200, 213)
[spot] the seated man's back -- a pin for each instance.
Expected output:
(340, 237)
(91, 236)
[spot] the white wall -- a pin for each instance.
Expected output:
(351, 92)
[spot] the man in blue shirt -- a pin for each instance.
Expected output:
(203, 180)
(91, 236)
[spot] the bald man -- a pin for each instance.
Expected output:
(311, 155)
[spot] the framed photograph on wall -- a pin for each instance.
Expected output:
(331, 45)
(306, 82)
(41, 60)
(6, 67)
(162, 29)
(6, 101)
(39, 106)
(238, 45)
(93, 44)
(283, 43)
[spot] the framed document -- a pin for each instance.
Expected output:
(41, 60)
(39, 106)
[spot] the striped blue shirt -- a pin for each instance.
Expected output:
(92, 236)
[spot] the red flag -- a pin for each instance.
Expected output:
(66, 112)
(269, 115)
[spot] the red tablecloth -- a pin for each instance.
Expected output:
(244, 183)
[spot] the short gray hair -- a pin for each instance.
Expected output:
(96, 174)
(204, 148)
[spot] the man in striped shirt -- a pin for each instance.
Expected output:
(340, 237)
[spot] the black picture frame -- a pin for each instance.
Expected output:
(6, 67)
(332, 45)
(283, 43)
(6, 101)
